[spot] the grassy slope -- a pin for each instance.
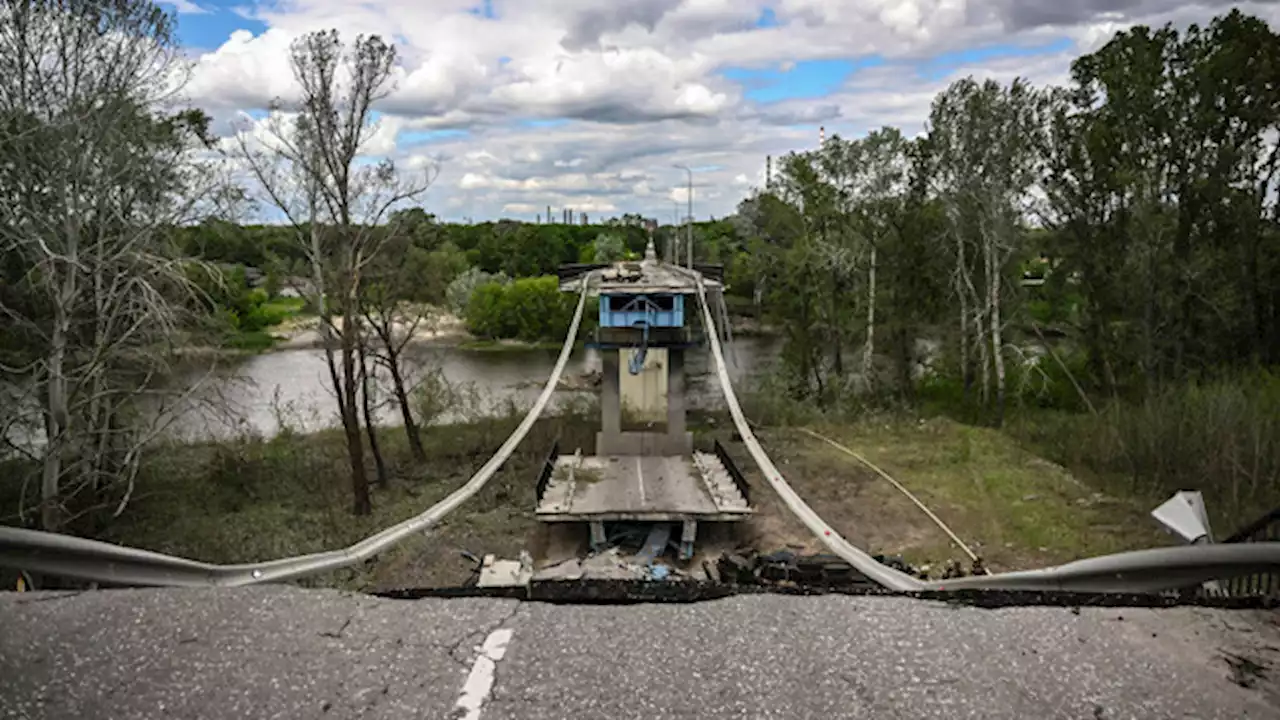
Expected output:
(257, 500)
(1014, 509)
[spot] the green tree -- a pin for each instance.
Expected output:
(985, 140)
(608, 247)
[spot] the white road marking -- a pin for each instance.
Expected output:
(480, 680)
(640, 480)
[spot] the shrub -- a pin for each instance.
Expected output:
(460, 290)
(1221, 437)
(529, 309)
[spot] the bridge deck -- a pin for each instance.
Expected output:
(641, 487)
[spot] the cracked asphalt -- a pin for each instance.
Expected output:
(283, 652)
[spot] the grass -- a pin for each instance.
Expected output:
(254, 499)
(287, 306)
(250, 341)
(1017, 509)
(1220, 437)
(1014, 509)
(276, 311)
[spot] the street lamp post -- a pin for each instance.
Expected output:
(689, 235)
(673, 245)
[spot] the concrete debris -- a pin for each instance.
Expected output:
(786, 567)
(570, 569)
(505, 573)
(607, 565)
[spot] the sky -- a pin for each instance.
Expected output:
(591, 104)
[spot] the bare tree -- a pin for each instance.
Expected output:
(307, 165)
(98, 164)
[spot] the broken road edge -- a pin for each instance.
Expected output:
(628, 592)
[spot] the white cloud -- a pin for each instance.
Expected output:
(636, 86)
(185, 7)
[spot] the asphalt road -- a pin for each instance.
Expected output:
(291, 653)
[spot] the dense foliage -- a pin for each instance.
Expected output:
(1143, 195)
(1110, 247)
(517, 249)
(530, 309)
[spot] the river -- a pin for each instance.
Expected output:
(254, 393)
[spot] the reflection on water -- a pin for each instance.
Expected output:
(256, 392)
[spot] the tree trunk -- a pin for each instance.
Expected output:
(966, 369)
(997, 344)
(837, 338)
(361, 504)
(868, 352)
(984, 362)
(55, 417)
(402, 398)
(57, 413)
(370, 428)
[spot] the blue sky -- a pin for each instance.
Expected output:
(589, 105)
(208, 30)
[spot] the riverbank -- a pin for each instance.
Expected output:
(251, 499)
(439, 328)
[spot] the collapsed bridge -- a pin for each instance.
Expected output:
(642, 469)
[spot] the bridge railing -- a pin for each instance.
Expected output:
(739, 479)
(1263, 584)
(548, 467)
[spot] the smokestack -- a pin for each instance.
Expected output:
(822, 136)
(549, 221)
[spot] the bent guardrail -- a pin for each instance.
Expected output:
(83, 559)
(1141, 571)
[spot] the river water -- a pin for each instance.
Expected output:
(256, 393)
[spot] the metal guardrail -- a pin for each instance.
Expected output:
(867, 565)
(548, 467)
(1265, 584)
(1141, 571)
(739, 479)
(80, 558)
